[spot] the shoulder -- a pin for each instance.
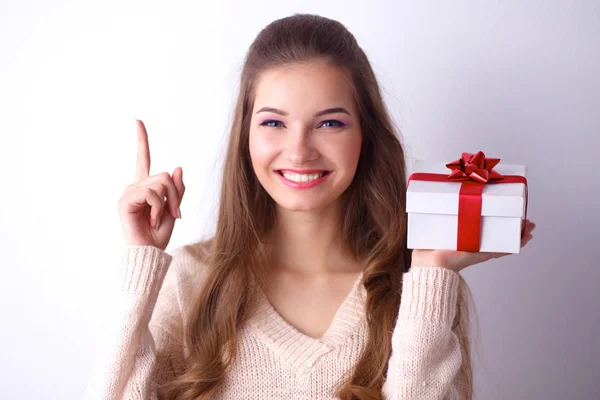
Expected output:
(190, 261)
(186, 274)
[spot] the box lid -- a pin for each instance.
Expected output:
(500, 200)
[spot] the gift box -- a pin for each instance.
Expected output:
(470, 204)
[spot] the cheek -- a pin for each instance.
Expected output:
(262, 151)
(348, 152)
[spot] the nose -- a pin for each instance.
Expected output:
(299, 147)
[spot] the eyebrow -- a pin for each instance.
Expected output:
(320, 113)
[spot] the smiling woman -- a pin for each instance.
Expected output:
(307, 290)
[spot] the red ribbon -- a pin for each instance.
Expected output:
(474, 171)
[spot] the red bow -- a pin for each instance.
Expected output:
(474, 166)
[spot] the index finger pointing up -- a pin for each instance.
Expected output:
(142, 170)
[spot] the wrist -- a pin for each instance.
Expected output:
(433, 258)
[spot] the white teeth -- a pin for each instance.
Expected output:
(301, 177)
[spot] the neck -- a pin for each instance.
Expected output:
(310, 242)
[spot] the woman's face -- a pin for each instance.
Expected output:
(305, 135)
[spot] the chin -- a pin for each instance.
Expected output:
(300, 205)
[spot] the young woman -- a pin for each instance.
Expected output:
(307, 290)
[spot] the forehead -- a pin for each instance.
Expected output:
(304, 87)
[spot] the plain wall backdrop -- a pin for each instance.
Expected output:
(516, 79)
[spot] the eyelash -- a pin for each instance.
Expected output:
(341, 124)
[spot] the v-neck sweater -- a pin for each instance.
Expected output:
(275, 360)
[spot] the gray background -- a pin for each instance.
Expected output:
(517, 79)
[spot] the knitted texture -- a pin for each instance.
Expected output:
(275, 361)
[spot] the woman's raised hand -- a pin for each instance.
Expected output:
(146, 217)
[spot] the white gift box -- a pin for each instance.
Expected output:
(432, 209)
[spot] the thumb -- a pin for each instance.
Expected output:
(178, 181)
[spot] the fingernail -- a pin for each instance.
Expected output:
(157, 224)
(179, 213)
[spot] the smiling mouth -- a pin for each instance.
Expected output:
(300, 178)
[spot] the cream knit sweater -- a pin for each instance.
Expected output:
(275, 360)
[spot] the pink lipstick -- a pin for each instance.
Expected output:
(305, 184)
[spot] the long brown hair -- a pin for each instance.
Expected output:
(374, 224)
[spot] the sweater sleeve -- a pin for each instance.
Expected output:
(426, 354)
(137, 349)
